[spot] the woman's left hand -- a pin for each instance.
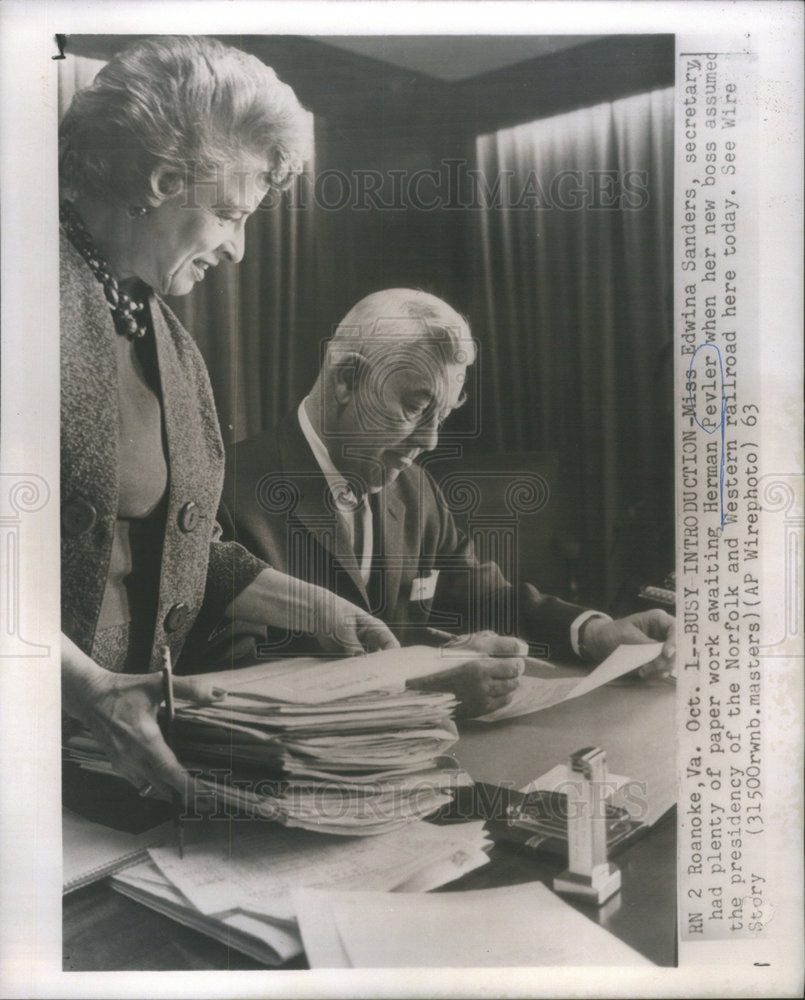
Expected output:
(124, 717)
(121, 712)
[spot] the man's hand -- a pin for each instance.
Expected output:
(602, 637)
(481, 685)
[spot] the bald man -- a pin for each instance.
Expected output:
(333, 495)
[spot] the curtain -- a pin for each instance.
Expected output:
(574, 309)
(74, 74)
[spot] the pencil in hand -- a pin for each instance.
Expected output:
(170, 710)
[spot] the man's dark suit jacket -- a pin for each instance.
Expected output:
(277, 503)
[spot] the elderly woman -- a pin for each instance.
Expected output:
(162, 161)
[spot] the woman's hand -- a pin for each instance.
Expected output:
(283, 601)
(343, 627)
(121, 712)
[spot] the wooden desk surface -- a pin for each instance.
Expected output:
(633, 721)
(103, 930)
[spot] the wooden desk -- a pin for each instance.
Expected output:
(106, 931)
(633, 721)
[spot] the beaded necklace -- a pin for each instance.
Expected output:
(122, 306)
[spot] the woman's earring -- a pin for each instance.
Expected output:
(137, 211)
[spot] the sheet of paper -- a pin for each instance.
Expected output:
(366, 827)
(445, 870)
(285, 941)
(463, 850)
(265, 941)
(311, 680)
(255, 866)
(523, 925)
(535, 693)
(625, 658)
(151, 886)
(364, 704)
(320, 937)
(322, 941)
(275, 719)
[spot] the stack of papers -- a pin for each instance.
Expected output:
(237, 880)
(520, 925)
(340, 747)
(364, 765)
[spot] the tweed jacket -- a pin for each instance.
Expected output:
(276, 502)
(194, 561)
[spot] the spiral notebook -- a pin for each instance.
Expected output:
(91, 851)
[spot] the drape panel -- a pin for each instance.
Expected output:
(74, 73)
(574, 308)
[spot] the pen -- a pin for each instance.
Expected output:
(442, 637)
(170, 709)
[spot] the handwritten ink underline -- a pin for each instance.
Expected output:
(721, 424)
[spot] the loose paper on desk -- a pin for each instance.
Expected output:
(313, 680)
(522, 925)
(267, 942)
(274, 939)
(535, 693)
(255, 866)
